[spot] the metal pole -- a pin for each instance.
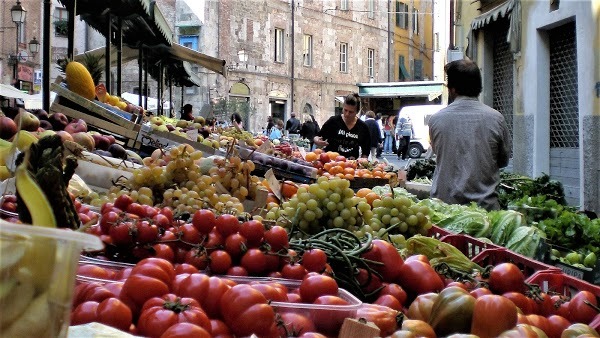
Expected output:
(46, 43)
(71, 24)
(119, 54)
(17, 58)
(140, 70)
(107, 57)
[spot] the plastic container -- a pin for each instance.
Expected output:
(39, 264)
(437, 232)
(470, 246)
(331, 316)
(89, 267)
(420, 190)
(502, 255)
(558, 282)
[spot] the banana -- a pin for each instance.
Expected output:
(18, 292)
(24, 140)
(36, 201)
(11, 252)
(4, 173)
(35, 321)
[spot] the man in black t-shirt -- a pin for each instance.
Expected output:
(346, 133)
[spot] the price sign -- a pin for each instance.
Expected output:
(266, 148)
(192, 135)
(302, 152)
(273, 183)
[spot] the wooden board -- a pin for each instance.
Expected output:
(93, 107)
(161, 140)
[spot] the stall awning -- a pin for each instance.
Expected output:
(429, 89)
(510, 9)
(175, 52)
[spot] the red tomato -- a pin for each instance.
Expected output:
(389, 301)
(556, 325)
(95, 271)
(185, 330)
(294, 324)
(219, 261)
(421, 258)
(237, 271)
(545, 305)
(160, 313)
(271, 292)
(418, 278)
(255, 261)
(227, 224)
(236, 245)
(480, 292)
(272, 261)
(115, 288)
(189, 234)
(327, 321)
(579, 310)
(386, 253)
(253, 231)
(493, 315)
(277, 238)
(197, 258)
(204, 220)
(314, 260)
(540, 322)
(161, 221)
(136, 209)
(115, 313)
(293, 271)
(294, 298)
(96, 292)
(420, 308)
(506, 277)
(123, 201)
(84, 313)
(369, 283)
(218, 328)
(314, 287)
(312, 335)
(137, 289)
(185, 268)
(154, 271)
(207, 290)
(215, 240)
(106, 207)
(146, 232)
(458, 284)
(122, 233)
(163, 251)
(108, 220)
(246, 311)
(526, 304)
(396, 291)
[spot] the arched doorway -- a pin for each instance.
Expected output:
(239, 102)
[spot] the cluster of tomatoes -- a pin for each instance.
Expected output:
(157, 299)
(9, 208)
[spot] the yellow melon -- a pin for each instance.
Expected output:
(80, 80)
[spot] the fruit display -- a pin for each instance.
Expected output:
(332, 164)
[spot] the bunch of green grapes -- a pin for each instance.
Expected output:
(238, 134)
(399, 215)
(326, 203)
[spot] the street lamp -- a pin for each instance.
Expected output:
(34, 46)
(243, 56)
(17, 12)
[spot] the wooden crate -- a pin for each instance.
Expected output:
(160, 140)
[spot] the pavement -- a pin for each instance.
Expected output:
(393, 160)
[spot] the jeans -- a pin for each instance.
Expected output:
(387, 142)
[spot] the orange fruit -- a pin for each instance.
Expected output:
(288, 189)
(349, 171)
(372, 197)
(311, 156)
(349, 177)
(332, 155)
(362, 192)
(318, 151)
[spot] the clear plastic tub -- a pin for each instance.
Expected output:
(37, 276)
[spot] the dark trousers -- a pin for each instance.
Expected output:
(403, 147)
(379, 148)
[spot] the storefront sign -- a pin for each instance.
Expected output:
(25, 73)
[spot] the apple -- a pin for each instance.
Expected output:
(46, 125)
(157, 121)
(8, 127)
(111, 139)
(182, 123)
(65, 136)
(76, 126)
(324, 158)
(58, 120)
(28, 121)
(100, 142)
(85, 140)
(340, 158)
(41, 114)
(170, 127)
(199, 119)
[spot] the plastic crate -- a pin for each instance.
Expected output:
(556, 281)
(470, 246)
(437, 232)
(113, 271)
(502, 255)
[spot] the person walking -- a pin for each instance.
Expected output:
(270, 125)
(309, 130)
(380, 124)
(236, 121)
(404, 131)
(387, 138)
(471, 142)
(293, 125)
(375, 136)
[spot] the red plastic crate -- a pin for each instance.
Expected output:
(502, 255)
(556, 281)
(437, 232)
(470, 246)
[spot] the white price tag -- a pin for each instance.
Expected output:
(302, 152)
(192, 135)
(273, 183)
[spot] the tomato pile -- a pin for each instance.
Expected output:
(9, 210)
(155, 298)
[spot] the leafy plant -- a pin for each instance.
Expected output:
(61, 27)
(422, 168)
(514, 187)
(92, 63)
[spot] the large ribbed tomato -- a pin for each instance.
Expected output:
(493, 315)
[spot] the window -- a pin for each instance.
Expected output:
(418, 71)
(371, 62)
(401, 15)
(371, 9)
(415, 21)
(343, 57)
(344, 5)
(307, 50)
(61, 19)
(278, 45)
(402, 73)
(190, 41)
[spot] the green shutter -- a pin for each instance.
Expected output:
(402, 72)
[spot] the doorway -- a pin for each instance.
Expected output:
(277, 108)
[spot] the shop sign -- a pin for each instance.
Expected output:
(25, 73)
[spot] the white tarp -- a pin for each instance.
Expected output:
(152, 102)
(35, 101)
(12, 92)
